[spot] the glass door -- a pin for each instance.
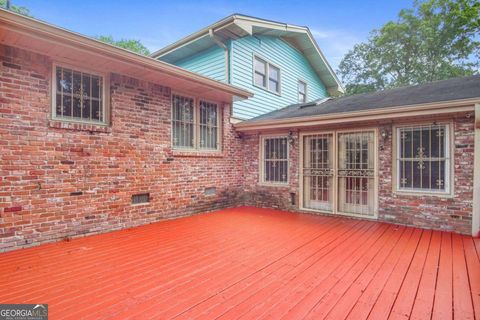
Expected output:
(318, 172)
(356, 173)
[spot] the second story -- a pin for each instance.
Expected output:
(280, 63)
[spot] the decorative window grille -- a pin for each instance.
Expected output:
(423, 159)
(208, 125)
(183, 122)
(266, 75)
(78, 96)
(194, 125)
(275, 159)
(302, 92)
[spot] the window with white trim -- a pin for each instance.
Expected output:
(302, 91)
(195, 126)
(78, 96)
(274, 160)
(266, 75)
(423, 158)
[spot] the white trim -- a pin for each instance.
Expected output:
(261, 154)
(434, 108)
(476, 176)
(105, 94)
(449, 163)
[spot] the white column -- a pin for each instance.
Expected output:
(476, 176)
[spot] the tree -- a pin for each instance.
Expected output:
(21, 10)
(129, 44)
(437, 39)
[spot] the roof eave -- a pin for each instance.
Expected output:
(442, 107)
(19, 22)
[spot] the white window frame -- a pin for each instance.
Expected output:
(267, 76)
(449, 162)
(196, 124)
(298, 91)
(261, 161)
(105, 95)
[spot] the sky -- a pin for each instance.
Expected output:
(337, 25)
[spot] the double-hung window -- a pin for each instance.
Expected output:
(78, 96)
(266, 75)
(195, 124)
(302, 92)
(423, 158)
(274, 159)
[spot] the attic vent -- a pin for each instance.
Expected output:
(141, 198)
(315, 102)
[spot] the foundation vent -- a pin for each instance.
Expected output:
(141, 198)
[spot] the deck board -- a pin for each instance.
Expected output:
(249, 263)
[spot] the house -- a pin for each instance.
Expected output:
(280, 63)
(86, 137)
(95, 138)
(407, 155)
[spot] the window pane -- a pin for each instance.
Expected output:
(260, 80)
(302, 87)
(208, 125)
(273, 85)
(182, 122)
(260, 66)
(79, 95)
(422, 163)
(273, 78)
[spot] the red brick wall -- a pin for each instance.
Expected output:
(443, 213)
(60, 180)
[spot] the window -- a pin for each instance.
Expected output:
(266, 75)
(260, 73)
(423, 160)
(274, 160)
(78, 96)
(194, 126)
(302, 92)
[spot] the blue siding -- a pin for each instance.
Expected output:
(293, 65)
(210, 63)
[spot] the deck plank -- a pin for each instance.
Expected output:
(250, 263)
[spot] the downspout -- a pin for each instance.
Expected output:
(225, 49)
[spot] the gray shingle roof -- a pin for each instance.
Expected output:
(444, 90)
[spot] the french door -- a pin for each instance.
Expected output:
(338, 172)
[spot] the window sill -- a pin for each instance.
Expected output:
(79, 126)
(423, 194)
(197, 153)
(276, 185)
(268, 90)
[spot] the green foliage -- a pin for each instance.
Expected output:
(437, 39)
(21, 10)
(129, 44)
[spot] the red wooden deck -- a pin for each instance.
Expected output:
(249, 263)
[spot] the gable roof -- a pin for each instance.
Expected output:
(237, 26)
(452, 92)
(65, 46)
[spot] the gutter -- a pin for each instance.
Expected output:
(443, 107)
(226, 53)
